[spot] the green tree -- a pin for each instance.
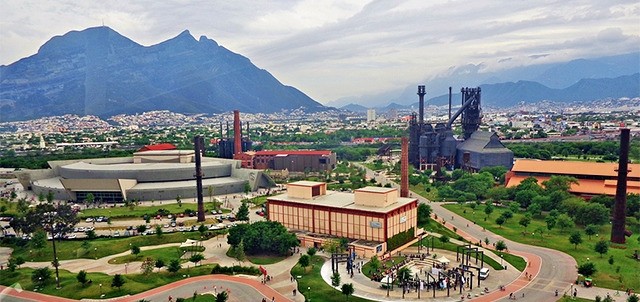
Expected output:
(179, 201)
(551, 221)
(222, 296)
(564, 222)
(559, 183)
(89, 199)
(240, 251)
(304, 261)
(335, 279)
(91, 234)
(633, 298)
(141, 228)
(82, 277)
(195, 258)
(524, 198)
(444, 239)
(601, 247)
(587, 269)
(159, 264)
(50, 196)
(525, 221)
(135, 250)
(41, 275)
(488, 209)
(174, 266)
(501, 245)
(39, 240)
(374, 263)
(424, 213)
(159, 231)
(575, 238)
(147, 266)
(535, 209)
(41, 197)
(500, 221)
(508, 214)
(591, 230)
(347, 290)
(311, 251)
(202, 229)
(117, 281)
(243, 212)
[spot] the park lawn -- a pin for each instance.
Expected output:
(571, 299)
(166, 254)
(139, 211)
(421, 190)
(134, 283)
(311, 285)
(265, 259)
(11, 207)
(101, 247)
(622, 274)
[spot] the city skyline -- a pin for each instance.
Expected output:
(340, 49)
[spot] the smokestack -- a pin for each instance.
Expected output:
(404, 168)
(421, 93)
(198, 145)
(237, 135)
(619, 208)
(449, 102)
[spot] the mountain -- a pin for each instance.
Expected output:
(97, 71)
(354, 108)
(552, 75)
(511, 93)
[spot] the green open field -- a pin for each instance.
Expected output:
(101, 247)
(134, 283)
(166, 254)
(139, 211)
(623, 273)
(319, 290)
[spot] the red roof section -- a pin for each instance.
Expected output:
(293, 152)
(158, 147)
(571, 168)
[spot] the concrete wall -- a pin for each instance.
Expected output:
(147, 173)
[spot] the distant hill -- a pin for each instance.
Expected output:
(509, 94)
(354, 108)
(553, 75)
(97, 71)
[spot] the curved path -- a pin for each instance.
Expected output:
(552, 270)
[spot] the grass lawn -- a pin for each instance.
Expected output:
(166, 254)
(265, 259)
(72, 249)
(623, 273)
(11, 207)
(570, 299)
(422, 191)
(134, 283)
(319, 290)
(139, 211)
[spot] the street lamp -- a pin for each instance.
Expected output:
(501, 260)
(309, 292)
(101, 289)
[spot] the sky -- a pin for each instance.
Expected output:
(332, 49)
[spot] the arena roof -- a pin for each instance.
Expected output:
(585, 186)
(571, 168)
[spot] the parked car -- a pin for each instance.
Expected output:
(116, 234)
(89, 219)
(484, 273)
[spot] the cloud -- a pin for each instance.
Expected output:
(335, 48)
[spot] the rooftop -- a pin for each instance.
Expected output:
(571, 168)
(334, 199)
(292, 152)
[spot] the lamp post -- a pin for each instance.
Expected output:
(100, 289)
(501, 257)
(309, 292)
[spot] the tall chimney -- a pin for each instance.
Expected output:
(421, 93)
(449, 103)
(404, 168)
(198, 145)
(619, 208)
(237, 135)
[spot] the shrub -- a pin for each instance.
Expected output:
(236, 269)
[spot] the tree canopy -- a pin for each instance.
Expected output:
(263, 237)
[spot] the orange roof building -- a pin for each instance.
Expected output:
(593, 178)
(158, 147)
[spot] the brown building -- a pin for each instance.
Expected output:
(291, 160)
(593, 178)
(369, 216)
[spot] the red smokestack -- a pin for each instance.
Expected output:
(404, 168)
(237, 136)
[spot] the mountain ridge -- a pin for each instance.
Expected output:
(101, 72)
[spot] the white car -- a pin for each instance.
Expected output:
(484, 273)
(89, 219)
